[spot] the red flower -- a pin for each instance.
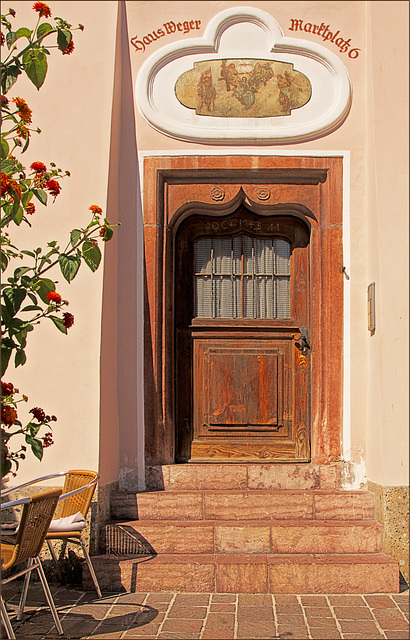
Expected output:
(30, 208)
(69, 49)
(3, 39)
(102, 232)
(8, 415)
(53, 187)
(52, 296)
(4, 101)
(95, 209)
(23, 109)
(43, 9)
(7, 389)
(38, 167)
(68, 320)
(48, 440)
(38, 413)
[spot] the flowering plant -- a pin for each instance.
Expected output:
(27, 295)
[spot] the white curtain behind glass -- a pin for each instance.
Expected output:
(242, 277)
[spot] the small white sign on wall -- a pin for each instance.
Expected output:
(244, 82)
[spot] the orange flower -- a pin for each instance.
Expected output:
(69, 49)
(52, 296)
(95, 209)
(43, 9)
(23, 132)
(23, 110)
(8, 415)
(5, 184)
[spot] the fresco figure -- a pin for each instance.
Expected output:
(230, 75)
(206, 91)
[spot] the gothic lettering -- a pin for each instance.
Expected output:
(327, 34)
(167, 28)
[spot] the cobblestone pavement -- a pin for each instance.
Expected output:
(211, 616)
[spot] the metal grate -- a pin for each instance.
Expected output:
(242, 277)
(123, 540)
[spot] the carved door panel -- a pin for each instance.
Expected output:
(242, 301)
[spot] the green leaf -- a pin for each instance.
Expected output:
(11, 37)
(28, 253)
(59, 323)
(4, 261)
(75, 235)
(8, 166)
(41, 195)
(11, 211)
(32, 307)
(23, 32)
(63, 39)
(19, 358)
(5, 357)
(19, 216)
(4, 149)
(5, 467)
(44, 29)
(13, 299)
(92, 255)
(69, 266)
(35, 66)
(26, 197)
(108, 233)
(42, 287)
(20, 271)
(9, 75)
(36, 446)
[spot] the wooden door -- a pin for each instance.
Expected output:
(242, 367)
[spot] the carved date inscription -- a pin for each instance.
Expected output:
(236, 224)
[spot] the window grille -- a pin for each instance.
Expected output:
(242, 277)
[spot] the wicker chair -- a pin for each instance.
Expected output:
(78, 490)
(25, 546)
(77, 493)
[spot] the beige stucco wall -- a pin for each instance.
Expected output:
(73, 110)
(99, 148)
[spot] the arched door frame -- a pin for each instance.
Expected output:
(310, 188)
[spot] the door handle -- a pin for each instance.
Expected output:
(303, 345)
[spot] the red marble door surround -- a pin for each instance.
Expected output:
(311, 188)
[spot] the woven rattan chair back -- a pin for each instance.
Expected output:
(34, 522)
(81, 501)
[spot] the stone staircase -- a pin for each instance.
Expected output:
(244, 528)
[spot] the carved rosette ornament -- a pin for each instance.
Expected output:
(217, 193)
(263, 193)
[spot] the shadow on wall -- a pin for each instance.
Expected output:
(121, 437)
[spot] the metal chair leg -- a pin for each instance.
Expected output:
(55, 561)
(6, 622)
(49, 597)
(90, 567)
(24, 591)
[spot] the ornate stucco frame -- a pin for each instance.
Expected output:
(156, 100)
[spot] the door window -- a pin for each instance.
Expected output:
(242, 277)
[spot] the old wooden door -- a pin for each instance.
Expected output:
(242, 338)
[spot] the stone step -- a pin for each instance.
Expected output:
(242, 476)
(248, 573)
(243, 505)
(246, 536)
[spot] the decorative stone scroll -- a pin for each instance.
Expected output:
(244, 81)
